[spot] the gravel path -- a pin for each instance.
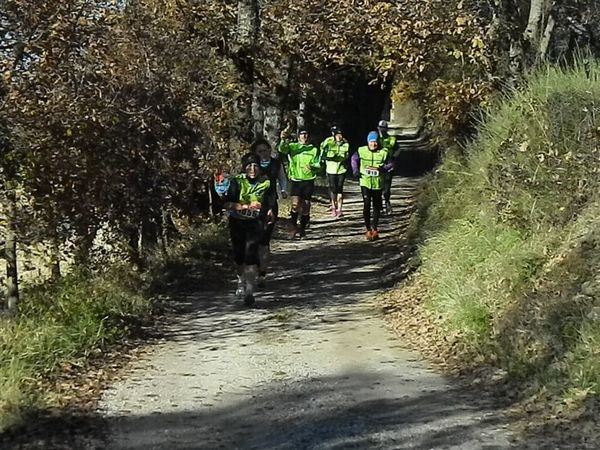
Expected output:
(313, 366)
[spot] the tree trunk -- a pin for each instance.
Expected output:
(515, 64)
(133, 237)
(12, 283)
(12, 275)
(244, 55)
(536, 10)
(84, 246)
(258, 111)
(545, 41)
(247, 23)
(268, 101)
(150, 233)
(301, 119)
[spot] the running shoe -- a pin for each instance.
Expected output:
(261, 282)
(374, 235)
(241, 290)
(369, 235)
(388, 208)
(248, 299)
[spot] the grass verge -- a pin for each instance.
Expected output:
(81, 317)
(510, 252)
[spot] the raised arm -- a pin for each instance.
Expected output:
(284, 146)
(284, 141)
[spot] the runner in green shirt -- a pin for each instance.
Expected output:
(249, 201)
(335, 151)
(303, 166)
(370, 162)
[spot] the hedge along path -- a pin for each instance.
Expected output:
(312, 366)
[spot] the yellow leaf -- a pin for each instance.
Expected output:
(477, 43)
(456, 53)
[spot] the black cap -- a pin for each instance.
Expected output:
(250, 158)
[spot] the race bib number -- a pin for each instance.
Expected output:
(372, 171)
(248, 213)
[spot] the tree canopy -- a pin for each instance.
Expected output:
(114, 112)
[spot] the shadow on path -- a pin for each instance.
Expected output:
(322, 413)
(332, 268)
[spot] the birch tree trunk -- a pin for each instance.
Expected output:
(545, 42)
(540, 26)
(531, 33)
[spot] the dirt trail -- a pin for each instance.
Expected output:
(313, 366)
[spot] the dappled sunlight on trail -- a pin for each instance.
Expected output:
(312, 366)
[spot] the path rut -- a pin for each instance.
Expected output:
(313, 366)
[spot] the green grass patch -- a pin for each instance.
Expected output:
(475, 267)
(511, 245)
(66, 321)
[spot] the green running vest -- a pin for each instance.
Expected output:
(299, 157)
(251, 193)
(371, 167)
(388, 143)
(335, 155)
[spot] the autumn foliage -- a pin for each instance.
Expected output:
(114, 114)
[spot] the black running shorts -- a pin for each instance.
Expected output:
(302, 189)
